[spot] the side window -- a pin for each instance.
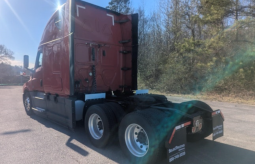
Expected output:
(58, 22)
(39, 60)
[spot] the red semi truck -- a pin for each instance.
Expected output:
(86, 70)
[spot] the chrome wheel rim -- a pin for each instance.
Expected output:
(96, 126)
(137, 140)
(27, 104)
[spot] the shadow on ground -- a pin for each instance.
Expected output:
(202, 152)
(15, 132)
(213, 152)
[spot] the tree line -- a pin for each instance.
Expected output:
(9, 74)
(193, 46)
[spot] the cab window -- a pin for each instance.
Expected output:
(59, 18)
(39, 60)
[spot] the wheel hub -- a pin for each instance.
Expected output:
(100, 125)
(141, 137)
(137, 140)
(27, 104)
(96, 126)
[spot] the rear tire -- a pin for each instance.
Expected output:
(117, 110)
(100, 125)
(27, 101)
(141, 130)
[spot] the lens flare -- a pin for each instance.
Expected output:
(4, 24)
(237, 61)
(49, 2)
(19, 19)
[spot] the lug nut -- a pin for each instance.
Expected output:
(135, 133)
(141, 146)
(137, 127)
(136, 140)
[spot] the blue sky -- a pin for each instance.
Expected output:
(22, 23)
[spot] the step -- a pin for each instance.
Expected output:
(39, 98)
(37, 109)
(125, 69)
(121, 21)
(124, 41)
(125, 52)
(124, 86)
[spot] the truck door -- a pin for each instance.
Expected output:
(37, 78)
(53, 54)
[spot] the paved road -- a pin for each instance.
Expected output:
(25, 139)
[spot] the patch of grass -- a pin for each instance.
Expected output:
(11, 84)
(240, 98)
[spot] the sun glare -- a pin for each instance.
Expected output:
(59, 7)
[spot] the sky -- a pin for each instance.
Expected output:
(22, 23)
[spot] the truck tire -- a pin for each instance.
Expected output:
(117, 109)
(27, 101)
(140, 138)
(207, 123)
(100, 125)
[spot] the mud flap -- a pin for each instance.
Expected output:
(176, 145)
(217, 122)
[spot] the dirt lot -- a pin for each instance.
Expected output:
(25, 139)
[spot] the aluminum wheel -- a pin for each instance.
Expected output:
(137, 140)
(96, 126)
(27, 104)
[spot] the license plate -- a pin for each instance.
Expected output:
(218, 128)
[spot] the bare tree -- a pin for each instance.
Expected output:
(5, 54)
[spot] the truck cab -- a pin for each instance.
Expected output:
(86, 49)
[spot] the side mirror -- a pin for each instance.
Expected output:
(26, 61)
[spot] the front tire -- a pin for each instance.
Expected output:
(28, 104)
